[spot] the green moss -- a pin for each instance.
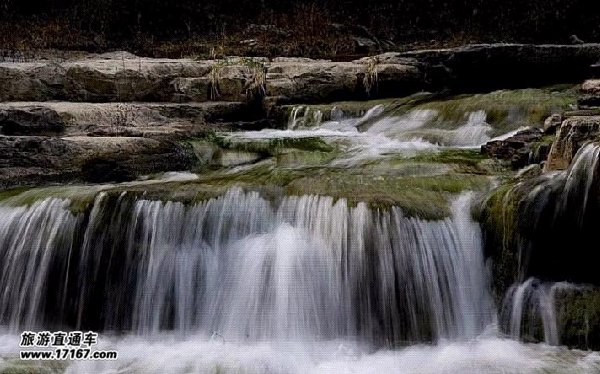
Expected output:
(453, 156)
(499, 219)
(7, 194)
(425, 197)
(506, 110)
(305, 144)
(578, 313)
(503, 223)
(80, 197)
(298, 158)
(16, 366)
(460, 161)
(267, 147)
(468, 161)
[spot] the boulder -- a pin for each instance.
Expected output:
(573, 133)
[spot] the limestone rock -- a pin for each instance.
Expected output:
(313, 82)
(121, 77)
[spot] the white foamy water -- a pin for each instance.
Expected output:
(201, 354)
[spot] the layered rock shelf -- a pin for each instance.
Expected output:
(121, 77)
(118, 109)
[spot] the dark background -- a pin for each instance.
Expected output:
(179, 27)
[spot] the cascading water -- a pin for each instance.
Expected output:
(253, 282)
(529, 309)
(242, 283)
(558, 203)
(304, 268)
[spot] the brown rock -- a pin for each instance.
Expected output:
(517, 149)
(572, 134)
(552, 123)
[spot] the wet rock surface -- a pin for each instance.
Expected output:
(578, 314)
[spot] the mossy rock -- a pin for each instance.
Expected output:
(578, 313)
(80, 197)
(498, 218)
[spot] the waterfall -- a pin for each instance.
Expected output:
(552, 206)
(244, 267)
(529, 309)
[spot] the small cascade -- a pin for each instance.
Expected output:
(245, 267)
(475, 132)
(529, 310)
(389, 125)
(399, 125)
(303, 116)
(579, 180)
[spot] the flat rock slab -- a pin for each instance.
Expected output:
(102, 79)
(30, 160)
(122, 77)
(117, 119)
